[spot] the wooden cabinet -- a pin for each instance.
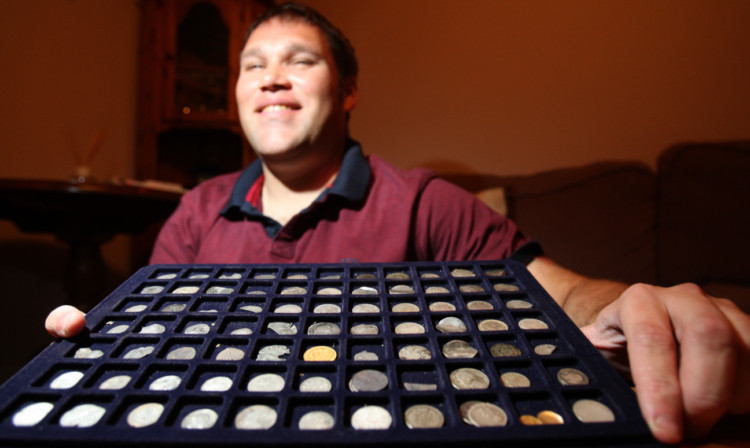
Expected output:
(188, 128)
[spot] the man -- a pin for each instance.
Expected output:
(313, 197)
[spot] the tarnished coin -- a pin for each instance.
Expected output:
(397, 276)
(545, 349)
(266, 382)
(166, 382)
(505, 287)
(252, 308)
(462, 273)
(136, 309)
(319, 353)
(66, 380)
(364, 329)
(288, 309)
(441, 306)
(138, 352)
(437, 290)
(409, 328)
(219, 290)
(405, 308)
(429, 275)
(257, 416)
(414, 352)
(323, 328)
(371, 417)
(423, 416)
(331, 276)
(316, 420)
(186, 290)
(464, 409)
(412, 387)
(518, 304)
(116, 382)
(495, 272)
(88, 353)
(503, 350)
(241, 331)
(264, 276)
(174, 308)
(198, 276)
(451, 325)
(365, 356)
(217, 384)
(231, 276)
(82, 416)
(486, 414)
(152, 290)
(532, 324)
(153, 329)
(459, 349)
(200, 419)
(572, 377)
(550, 418)
(492, 325)
(368, 380)
(365, 308)
(329, 291)
(591, 411)
(297, 277)
(316, 384)
(471, 288)
(283, 328)
(32, 413)
(230, 354)
(182, 353)
(273, 353)
(145, 415)
(469, 378)
(365, 276)
(364, 291)
(197, 329)
(529, 420)
(479, 305)
(401, 289)
(169, 276)
(293, 291)
(515, 379)
(118, 329)
(327, 308)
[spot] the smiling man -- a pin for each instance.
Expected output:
(313, 196)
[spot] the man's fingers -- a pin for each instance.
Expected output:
(65, 321)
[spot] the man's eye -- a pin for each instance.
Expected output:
(303, 62)
(252, 66)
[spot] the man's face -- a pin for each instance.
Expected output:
(288, 91)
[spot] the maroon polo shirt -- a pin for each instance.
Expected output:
(373, 212)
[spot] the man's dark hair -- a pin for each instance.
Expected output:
(341, 48)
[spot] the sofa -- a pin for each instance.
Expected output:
(686, 221)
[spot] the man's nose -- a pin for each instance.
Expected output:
(275, 78)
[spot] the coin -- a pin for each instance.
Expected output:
(319, 353)
(166, 382)
(264, 276)
(288, 309)
(315, 384)
(423, 416)
(316, 420)
(182, 353)
(368, 380)
(293, 291)
(527, 419)
(411, 387)
(186, 290)
(136, 309)
(365, 308)
(219, 290)
(32, 413)
(405, 308)
(462, 273)
(441, 306)
(257, 416)
(429, 275)
(502, 350)
(397, 276)
(532, 324)
(514, 379)
(145, 415)
(266, 382)
(371, 417)
(492, 325)
(365, 356)
(115, 383)
(217, 384)
(200, 419)
(469, 378)
(471, 288)
(82, 416)
(327, 308)
(544, 349)
(66, 380)
(479, 305)
(451, 325)
(401, 289)
(88, 353)
(550, 418)
(464, 409)
(518, 304)
(409, 328)
(138, 353)
(323, 328)
(364, 329)
(152, 290)
(572, 377)
(364, 291)
(365, 276)
(486, 414)
(230, 354)
(505, 287)
(297, 277)
(437, 290)
(252, 308)
(459, 349)
(241, 331)
(197, 329)
(414, 352)
(273, 353)
(118, 329)
(329, 291)
(174, 308)
(495, 272)
(282, 328)
(591, 411)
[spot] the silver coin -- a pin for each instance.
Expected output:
(219, 290)
(174, 308)
(119, 329)
(492, 325)
(505, 287)
(591, 411)
(217, 384)
(423, 416)
(88, 353)
(451, 325)
(241, 332)
(297, 277)
(198, 329)
(316, 384)
(153, 329)
(330, 277)
(167, 382)
(405, 308)
(182, 353)
(32, 413)
(368, 381)
(518, 304)
(82, 416)
(486, 414)
(256, 292)
(371, 417)
(479, 305)
(365, 277)
(282, 328)
(273, 353)
(230, 354)
(429, 275)
(232, 276)
(572, 377)
(459, 349)
(436, 290)
(462, 273)
(115, 383)
(469, 378)
(198, 276)
(414, 352)
(419, 387)
(365, 308)
(288, 309)
(365, 356)
(532, 324)
(66, 380)
(166, 276)
(145, 415)
(514, 380)
(138, 352)
(464, 410)
(264, 276)
(503, 350)
(257, 416)
(186, 290)
(471, 288)
(293, 291)
(200, 419)
(398, 276)
(316, 420)
(323, 328)
(136, 309)
(409, 328)
(152, 290)
(442, 306)
(329, 291)
(364, 329)
(252, 308)
(266, 382)
(545, 349)
(327, 308)
(401, 289)
(364, 291)
(495, 272)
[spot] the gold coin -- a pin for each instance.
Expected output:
(527, 419)
(442, 306)
(591, 411)
(550, 418)
(469, 378)
(492, 325)
(319, 353)
(572, 377)
(514, 379)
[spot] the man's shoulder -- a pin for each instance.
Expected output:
(386, 172)
(216, 188)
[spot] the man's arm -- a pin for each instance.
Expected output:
(689, 353)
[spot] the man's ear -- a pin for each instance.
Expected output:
(349, 93)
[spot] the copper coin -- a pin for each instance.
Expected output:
(503, 350)
(319, 353)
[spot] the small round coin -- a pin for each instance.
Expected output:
(397, 276)
(197, 329)
(414, 352)
(371, 417)
(153, 329)
(32, 414)
(200, 419)
(283, 328)
(288, 309)
(319, 353)
(471, 288)
(401, 289)
(82, 416)
(368, 380)
(423, 416)
(532, 324)
(550, 418)
(469, 378)
(217, 384)
(364, 355)
(504, 350)
(464, 409)
(462, 273)
(293, 291)
(437, 290)
(230, 354)
(530, 420)
(487, 414)
(505, 287)
(437, 307)
(182, 353)
(479, 305)
(591, 411)
(273, 353)
(545, 349)
(364, 291)
(327, 308)
(492, 325)
(316, 384)
(316, 421)
(363, 308)
(572, 377)
(66, 380)
(166, 382)
(405, 308)
(409, 328)
(459, 349)
(145, 415)
(257, 416)
(323, 328)
(451, 325)
(116, 382)
(518, 304)
(266, 382)
(514, 380)
(364, 329)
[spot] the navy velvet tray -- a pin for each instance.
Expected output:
(179, 321)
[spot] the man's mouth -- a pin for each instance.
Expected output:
(277, 107)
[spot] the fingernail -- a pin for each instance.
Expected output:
(666, 428)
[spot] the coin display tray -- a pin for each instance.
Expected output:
(139, 330)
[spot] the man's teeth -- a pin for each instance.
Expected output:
(276, 107)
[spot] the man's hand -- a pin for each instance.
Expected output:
(65, 321)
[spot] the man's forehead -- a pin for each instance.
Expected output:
(287, 34)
